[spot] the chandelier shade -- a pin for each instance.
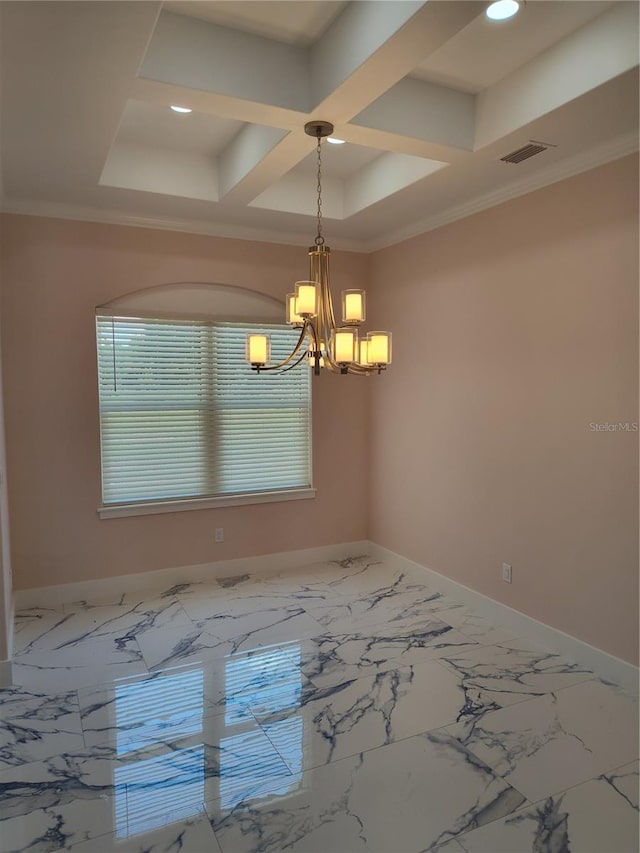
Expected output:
(293, 318)
(258, 349)
(344, 346)
(306, 304)
(379, 348)
(353, 302)
(339, 349)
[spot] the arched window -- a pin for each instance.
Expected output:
(184, 422)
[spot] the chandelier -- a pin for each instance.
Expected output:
(339, 349)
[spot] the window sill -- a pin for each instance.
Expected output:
(181, 505)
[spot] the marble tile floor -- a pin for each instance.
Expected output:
(341, 707)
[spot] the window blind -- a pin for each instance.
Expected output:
(182, 414)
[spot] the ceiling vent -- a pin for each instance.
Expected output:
(529, 150)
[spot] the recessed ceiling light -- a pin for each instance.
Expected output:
(502, 9)
(180, 109)
(335, 140)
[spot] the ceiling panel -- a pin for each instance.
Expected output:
(298, 23)
(160, 127)
(487, 51)
(338, 161)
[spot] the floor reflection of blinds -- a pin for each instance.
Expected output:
(158, 789)
(270, 682)
(276, 677)
(169, 702)
(249, 768)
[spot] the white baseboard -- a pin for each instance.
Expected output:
(266, 564)
(606, 666)
(5, 673)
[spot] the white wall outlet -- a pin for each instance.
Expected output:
(506, 572)
(219, 534)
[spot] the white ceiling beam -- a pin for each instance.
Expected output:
(215, 104)
(387, 140)
(370, 47)
(375, 43)
(596, 53)
(425, 111)
(352, 39)
(199, 55)
(257, 157)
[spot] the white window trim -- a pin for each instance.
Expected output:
(183, 504)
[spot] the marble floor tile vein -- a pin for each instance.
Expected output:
(191, 834)
(356, 716)
(552, 742)
(515, 670)
(34, 726)
(414, 795)
(77, 666)
(598, 816)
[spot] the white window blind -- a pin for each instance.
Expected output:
(182, 415)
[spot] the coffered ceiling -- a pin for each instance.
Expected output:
(429, 97)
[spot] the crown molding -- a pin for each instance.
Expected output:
(55, 210)
(591, 159)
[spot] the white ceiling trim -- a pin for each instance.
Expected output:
(598, 156)
(55, 210)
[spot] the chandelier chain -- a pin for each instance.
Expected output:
(319, 238)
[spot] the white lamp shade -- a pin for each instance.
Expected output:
(306, 304)
(353, 310)
(258, 349)
(293, 318)
(364, 353)
(379, 348)
(344, 345)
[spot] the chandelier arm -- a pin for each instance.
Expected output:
(315, 340)
(330, 327)
(295, 350)
(319, 271)
(326, 302)
(295, 364)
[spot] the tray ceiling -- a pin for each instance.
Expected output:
(428, 96)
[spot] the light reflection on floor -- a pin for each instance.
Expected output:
(153, 792)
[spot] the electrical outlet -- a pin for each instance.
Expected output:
(506, 572)
(219, 534)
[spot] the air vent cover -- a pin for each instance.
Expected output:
(520, 154)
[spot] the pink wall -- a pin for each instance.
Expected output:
(514, 330)
(55, 273)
